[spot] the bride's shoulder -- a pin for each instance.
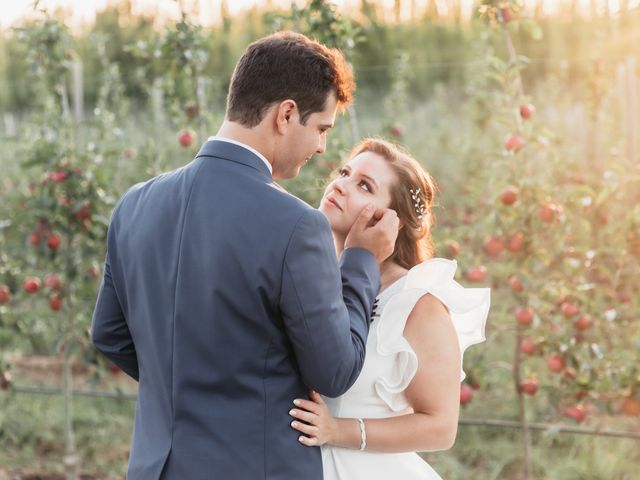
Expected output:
(429, 312)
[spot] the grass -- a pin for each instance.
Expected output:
(31, 433)
(31, 439)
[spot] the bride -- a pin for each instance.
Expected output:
(407, 397)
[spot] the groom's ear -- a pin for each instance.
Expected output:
(285, 113)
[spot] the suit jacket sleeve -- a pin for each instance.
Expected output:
(109, 330)
(326, 306)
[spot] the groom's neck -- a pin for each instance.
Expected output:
(254, 137)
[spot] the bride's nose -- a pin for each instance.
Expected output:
(339, 187)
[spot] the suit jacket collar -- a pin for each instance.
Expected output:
(234, 153)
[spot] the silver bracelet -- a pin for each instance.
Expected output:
(363, 434)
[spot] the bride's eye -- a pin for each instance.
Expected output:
(365, 186)
(343, 172)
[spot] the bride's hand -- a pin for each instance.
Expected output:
(314, 420)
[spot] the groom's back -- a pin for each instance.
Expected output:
(197, 259)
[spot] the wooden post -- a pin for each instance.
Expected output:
(77, 90)
(627, 85)
(632, 111)
(10, 129)
(156, 103)
(201, 88)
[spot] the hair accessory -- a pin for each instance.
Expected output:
(418, 205)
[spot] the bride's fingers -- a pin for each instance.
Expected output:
(307, 405)
(304, 428)
(309, 442)
(315, 396)
(304, 416)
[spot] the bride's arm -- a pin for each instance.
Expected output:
(433, 393)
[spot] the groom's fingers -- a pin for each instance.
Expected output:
(365, 218)
(388, 219)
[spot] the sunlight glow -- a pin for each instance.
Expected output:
(82, 12)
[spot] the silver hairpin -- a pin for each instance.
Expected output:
(418, 205)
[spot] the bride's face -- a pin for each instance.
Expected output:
(366, 178)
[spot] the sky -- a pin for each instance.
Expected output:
(83, 11)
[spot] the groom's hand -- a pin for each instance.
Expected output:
(376, 231)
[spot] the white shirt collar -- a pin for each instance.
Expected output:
(252, 150)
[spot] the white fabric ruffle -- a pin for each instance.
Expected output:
(468, 307)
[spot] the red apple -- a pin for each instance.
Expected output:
(524, 315)
(514, 143)
(52, 281)
(584, 322)
(454, 248)
(631, 406)
(84, 212)
(64, 200)
(5, 294)
(93, 271)
(186, 137)
(58, 177)
(577, 412)
(129, 153)
(569, 309)
(509, 195)
(493, 246)
(528, 346)
(516, 242)
(582, 394)
(54, 241)
(466, 394)
(548, 212)
(527, 111)
(31, 285)
(555, 362)
(35, 239)
(477, 274)
(114, 369)
(506, 14)
(192, 109)
(529, 386)
(5, 380)
(55, 303)
(623, 297)
(396, 131)
(515, 284)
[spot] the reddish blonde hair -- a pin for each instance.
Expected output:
(414, 243)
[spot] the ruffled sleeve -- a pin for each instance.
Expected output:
(468, 307)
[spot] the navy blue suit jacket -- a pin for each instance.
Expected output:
(223, 297)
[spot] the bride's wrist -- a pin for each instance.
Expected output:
(347, 433)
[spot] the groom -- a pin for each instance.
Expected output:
(222, 295)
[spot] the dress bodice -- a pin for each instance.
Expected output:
(390, 365)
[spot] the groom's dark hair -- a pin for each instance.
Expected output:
(287, 65)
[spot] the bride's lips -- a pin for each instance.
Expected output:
(333, 202)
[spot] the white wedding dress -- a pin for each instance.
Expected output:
(391, 363)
